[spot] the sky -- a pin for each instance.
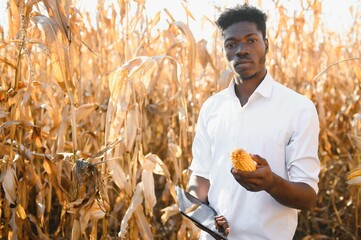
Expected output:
(336, 13)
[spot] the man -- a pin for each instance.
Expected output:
(278, 126)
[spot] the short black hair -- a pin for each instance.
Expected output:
(241, 13)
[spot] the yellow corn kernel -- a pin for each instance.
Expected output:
(354, 174)
(242, 160)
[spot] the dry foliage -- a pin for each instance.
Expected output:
(97, 121)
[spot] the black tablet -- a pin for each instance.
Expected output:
(201, 214)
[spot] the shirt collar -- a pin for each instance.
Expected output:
(264, 89)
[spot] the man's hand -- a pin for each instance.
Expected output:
(258, 180)
(221, 225)
(291, 194)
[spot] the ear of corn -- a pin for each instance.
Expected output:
(242, 160)
(354, 177)
(354, 174)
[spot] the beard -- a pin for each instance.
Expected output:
(245, 77)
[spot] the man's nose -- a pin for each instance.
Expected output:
(242, 49)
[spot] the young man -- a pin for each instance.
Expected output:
(278, 126)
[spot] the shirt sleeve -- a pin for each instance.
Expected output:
(302, 159)
(201, 148)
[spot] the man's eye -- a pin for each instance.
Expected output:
(252, 40)
(230, 45)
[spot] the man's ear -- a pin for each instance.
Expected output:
(266, 44)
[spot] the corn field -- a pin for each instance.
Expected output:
(97, 120)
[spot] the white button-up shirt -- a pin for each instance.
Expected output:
(278, 124)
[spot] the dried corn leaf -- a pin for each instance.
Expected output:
(161, 169)
(9, 183)
(191, 47)
(24, 152)
(357, 71)
(55, 40)
(182, 232)
(186, 9)
(52, 115)
(117, 173)
(134, 68)
(134, 21)
(149, 162)
(145, 78)
(131, 126)
(20, 212)
(4, 161)
(186, 173)
(28, 9)
(8, 62)
(137, 199)
(62, 130)
(175, 150)
(168, 212)
(53, 102)
(356, 141)
(169, 14)
(105, 149)
(119, 115)
(175, 153)
(183, 121)
(155, 19)
(140, 2)
(92, 211)
(32, 177)
(142, 224)
(85, 110)
(122, 7)
(59, 10)
(40, 232)
(14, 18)
(118, 104)
(40, 205)
(74, 207)
(52, 171)
(36, 133)
(174, 80)
(187, 225)
(75, 232)
(149, 191)
(203, 54)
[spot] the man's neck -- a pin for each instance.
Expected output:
(245, 88)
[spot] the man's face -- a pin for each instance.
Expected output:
(245, 50)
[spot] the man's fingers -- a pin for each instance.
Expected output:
(258, 159)
(222, 224)
(227, 231)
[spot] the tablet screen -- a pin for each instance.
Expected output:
(201, 214)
